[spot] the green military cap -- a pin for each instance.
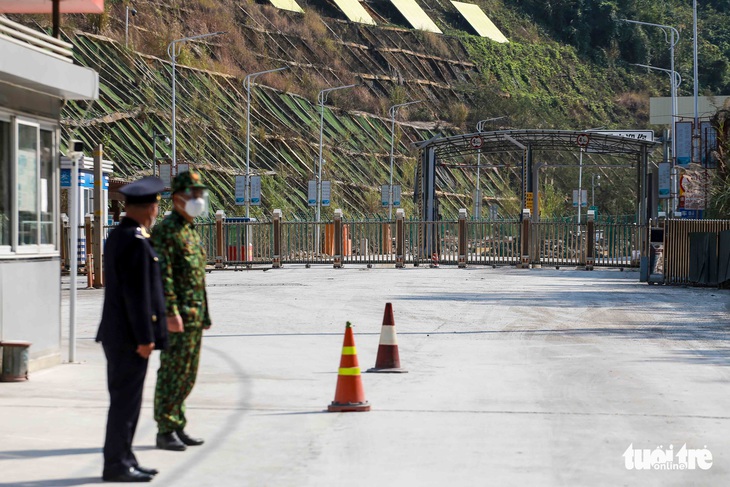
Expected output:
(187, 180)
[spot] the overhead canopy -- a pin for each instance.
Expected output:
(512, 140)
(46, 6)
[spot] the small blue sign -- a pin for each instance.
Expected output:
(86, 179)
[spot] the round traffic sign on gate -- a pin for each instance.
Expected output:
(583, 140)
(476, 142)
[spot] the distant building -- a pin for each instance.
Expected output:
(37, 76)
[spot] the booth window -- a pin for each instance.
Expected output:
(5, 185)
(28, 193)
(47, 188)
(27, 184)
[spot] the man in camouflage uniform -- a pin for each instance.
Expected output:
(182, 261)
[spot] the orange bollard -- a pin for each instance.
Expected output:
(349, 395)
(434, 261)
(388, 359)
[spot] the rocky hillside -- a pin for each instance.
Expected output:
(534, 80)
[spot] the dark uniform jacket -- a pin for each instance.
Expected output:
(134, 304)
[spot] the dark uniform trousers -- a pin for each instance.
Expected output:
(126, 371)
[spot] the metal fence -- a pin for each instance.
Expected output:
(245, 243)
(493, 242)
(307, 243)
(676, 246)
(618, 244)
(232, 243)
(368, 242)
(558, 243)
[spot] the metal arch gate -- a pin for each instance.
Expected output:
(525, 141)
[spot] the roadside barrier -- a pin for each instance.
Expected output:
(237, 243)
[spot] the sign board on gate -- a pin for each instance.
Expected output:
(647, 135)
(396, 195)
(582, 140)
(312, 193)
(326, 193)
(476, 142)
(256, 190)
(529, 201)
(384, 195)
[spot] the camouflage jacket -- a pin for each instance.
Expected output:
(182, 261)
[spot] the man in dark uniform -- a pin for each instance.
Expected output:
(182, 260)
(132, 325)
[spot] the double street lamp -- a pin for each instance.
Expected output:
(173, 50)
(671, 35)
(322, 98)
(392, 111)
(247, 85)
(676, 79)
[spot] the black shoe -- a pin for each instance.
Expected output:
(131, 475)
(188, 440)
(148, 471)
(169, 441)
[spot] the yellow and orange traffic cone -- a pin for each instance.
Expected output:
(388, 359)
(349, 395)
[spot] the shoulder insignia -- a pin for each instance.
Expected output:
(141, 232)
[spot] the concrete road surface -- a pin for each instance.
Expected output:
(515, 377)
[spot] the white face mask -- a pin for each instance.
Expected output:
(195, 207)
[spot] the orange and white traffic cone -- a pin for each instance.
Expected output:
(434, 261)
(349, 395)
(388, 359)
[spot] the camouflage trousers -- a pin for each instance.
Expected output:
(175, 379)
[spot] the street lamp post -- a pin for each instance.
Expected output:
(322, 97)
(173, 50)
(676, 81)
(392, 111)
(672, 39)
(478, 202)
(247, 85)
